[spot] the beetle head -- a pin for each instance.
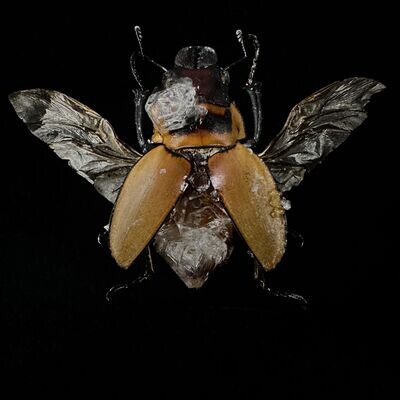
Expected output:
(199, 63)
(194, 80)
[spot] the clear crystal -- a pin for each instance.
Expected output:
(196, 237)
(174, 107)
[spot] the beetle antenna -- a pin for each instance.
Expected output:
(135, 72)
(140, 53)
(139, 38)
(239, 36)
(256, 44)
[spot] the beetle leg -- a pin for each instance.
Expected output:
(141, 93)
(253, 89)
(149, 261)
(147, 274)
(140, 99)
(259, 275)
(102, 237)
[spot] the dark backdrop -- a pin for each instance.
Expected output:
(227, 338)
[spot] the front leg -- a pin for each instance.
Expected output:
(140, 99)
(253, 89)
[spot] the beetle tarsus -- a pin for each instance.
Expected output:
(283, 294)
(114, 290)
(259, 276)
(141, 93)
(149, 261)
(102, 237)
(121, 287)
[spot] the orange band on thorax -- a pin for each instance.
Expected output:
(204, 137)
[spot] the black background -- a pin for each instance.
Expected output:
(227, 338)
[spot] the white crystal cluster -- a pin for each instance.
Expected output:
(196, 237)
(174, 107)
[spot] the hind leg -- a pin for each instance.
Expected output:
(147, 274)
(259, 276)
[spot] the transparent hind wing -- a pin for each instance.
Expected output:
(79, 135)
(315, 127)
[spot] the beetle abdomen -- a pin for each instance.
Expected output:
(196, 237)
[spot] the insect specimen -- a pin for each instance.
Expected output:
(199, 178)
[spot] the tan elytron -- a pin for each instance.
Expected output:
(148, 194)
(249, 194)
